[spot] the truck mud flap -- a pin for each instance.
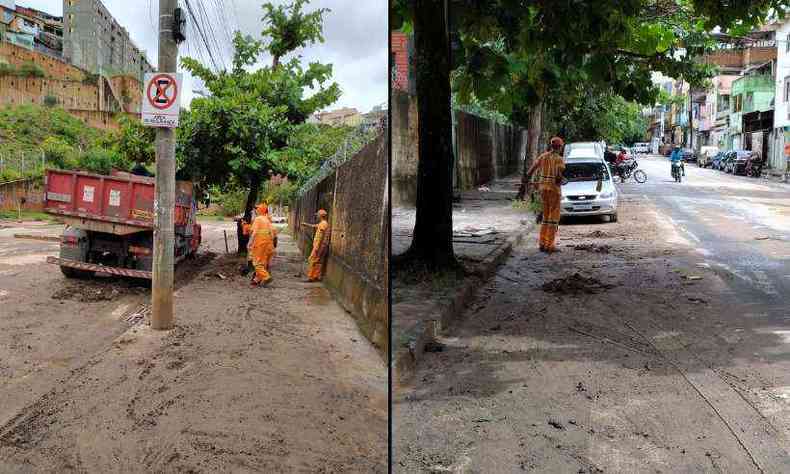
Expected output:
(126, 272)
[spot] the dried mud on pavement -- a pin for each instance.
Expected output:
(635, 358)
(251, 380)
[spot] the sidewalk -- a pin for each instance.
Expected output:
(275, 379)
(485, 229)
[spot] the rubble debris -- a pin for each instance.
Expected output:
(556, 424)
(574, 284)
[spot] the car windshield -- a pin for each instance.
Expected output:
(585, 172)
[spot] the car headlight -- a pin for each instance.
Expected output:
(606, 195)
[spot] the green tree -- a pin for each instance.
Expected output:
(513, 54)
(245, 129)
(135, 141)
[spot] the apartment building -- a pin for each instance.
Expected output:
(93, 40)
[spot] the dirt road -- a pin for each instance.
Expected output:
(265, 380)
(630, 351)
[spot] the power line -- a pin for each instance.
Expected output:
(202, 34)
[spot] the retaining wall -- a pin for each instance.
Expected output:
(32, 190)
(485, 149)
(355, 196)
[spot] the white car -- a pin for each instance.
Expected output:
(641, 148)
(576, 149)
(581, 194)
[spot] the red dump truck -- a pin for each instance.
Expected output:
(110, 222)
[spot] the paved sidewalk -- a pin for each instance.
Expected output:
(485, 228)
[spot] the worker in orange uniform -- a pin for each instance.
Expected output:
(550, 167)
(315, 262)
(263, 240)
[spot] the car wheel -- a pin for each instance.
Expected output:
(613, 217)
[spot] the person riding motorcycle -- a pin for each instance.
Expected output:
(619, 163)
(676, 159)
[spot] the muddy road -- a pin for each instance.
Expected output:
(638, 348)
(264, 380)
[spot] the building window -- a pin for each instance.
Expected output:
(749, 101)
(787, 44)
(738, 103)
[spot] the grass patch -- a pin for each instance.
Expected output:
(26, 216)
(534, 207)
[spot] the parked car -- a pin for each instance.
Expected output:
(716, 161)
(584, 147)
(641, 147)
(739, 161)
(689, 155)
(728, 163)
(706, 154)
(581, 195)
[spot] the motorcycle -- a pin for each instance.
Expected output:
(676, 171)
(628, 168)
(754, 166)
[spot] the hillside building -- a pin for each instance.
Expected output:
(94, 41)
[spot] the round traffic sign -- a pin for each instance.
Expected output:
(162, 91)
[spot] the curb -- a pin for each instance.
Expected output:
(406, 359)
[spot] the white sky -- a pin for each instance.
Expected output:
(355, 32)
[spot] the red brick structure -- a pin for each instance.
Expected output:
(400, 60)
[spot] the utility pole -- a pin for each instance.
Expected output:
(691, 119)
(164, 202)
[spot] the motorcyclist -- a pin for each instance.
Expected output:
(619, 162)
(677, 157)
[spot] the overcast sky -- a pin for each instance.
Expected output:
(355, 32)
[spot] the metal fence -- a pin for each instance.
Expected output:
(21, 162)
(355, 141)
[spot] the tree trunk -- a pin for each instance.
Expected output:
(533, 143)
(252, 197)
(432, 243)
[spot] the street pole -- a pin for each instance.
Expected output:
(163, 263)
(691, 120)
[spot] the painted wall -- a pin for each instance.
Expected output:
(781, 108)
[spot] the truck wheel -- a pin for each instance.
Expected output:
(69, 272)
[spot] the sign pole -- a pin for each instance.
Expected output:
(164, 203)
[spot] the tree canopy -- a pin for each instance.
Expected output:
(253, 121)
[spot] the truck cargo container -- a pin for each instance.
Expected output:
(110, 222)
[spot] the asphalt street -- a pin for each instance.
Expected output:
(739, 225)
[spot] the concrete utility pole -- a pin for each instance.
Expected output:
(162, 285)
(691, 119)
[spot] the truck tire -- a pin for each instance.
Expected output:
(69, 272)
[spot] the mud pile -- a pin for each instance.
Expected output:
(575, 284)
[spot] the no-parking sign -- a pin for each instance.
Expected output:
(161, 99)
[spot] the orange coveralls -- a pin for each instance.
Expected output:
(315, 261)
(550, 166)
(262, 248)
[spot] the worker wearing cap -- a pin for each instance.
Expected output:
(550, 167)
(263, 240)
(315, 262)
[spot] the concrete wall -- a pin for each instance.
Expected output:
(33, 90)
(12, 192)
(355, 196)
(53, 67)
(486, 150)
